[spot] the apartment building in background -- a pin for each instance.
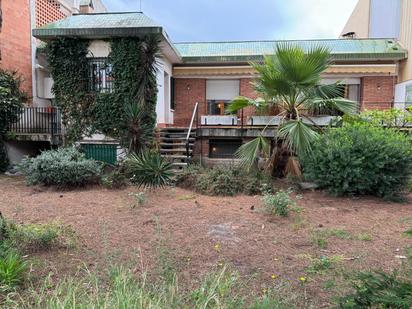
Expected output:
(386, 19)
(18, 48)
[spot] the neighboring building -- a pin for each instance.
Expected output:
(212, 74)
(387, 19)
(18, 48)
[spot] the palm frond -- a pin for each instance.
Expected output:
(242, 102)
(249, 152)
(297, 136)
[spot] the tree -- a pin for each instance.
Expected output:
(290, 81)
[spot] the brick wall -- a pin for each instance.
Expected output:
(247, 90)
(188, 91)
(377, 92)
(15, 40)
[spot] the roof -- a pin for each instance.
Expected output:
(100, 25)
(241, 51)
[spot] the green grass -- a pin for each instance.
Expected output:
(408, 233)
(364, 237)
(320, 237)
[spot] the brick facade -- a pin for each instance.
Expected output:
(188, 91)
(377, 92)
(15, 40)
(247, 90)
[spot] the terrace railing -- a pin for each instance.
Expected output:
(37, 120)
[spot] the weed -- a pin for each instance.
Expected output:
(408, 233)
(322, 264)
(186, 197)
(279, 204)
(139, 199)
(299, 223)
(34, 237)
(329, 284)
(12, 270)
(379, 290)
(320, 237)
(364, 237)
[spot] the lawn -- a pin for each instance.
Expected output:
(307, 257)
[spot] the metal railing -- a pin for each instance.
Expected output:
(189, 131)
(36, 120)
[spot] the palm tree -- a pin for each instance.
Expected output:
(290, 82)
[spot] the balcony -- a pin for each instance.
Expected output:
(38, 124)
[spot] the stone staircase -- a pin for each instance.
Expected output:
(173, 146)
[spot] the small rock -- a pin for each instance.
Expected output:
(402, 257)
(320, 225)
(61, 195)
(308, 185)
(252, 207)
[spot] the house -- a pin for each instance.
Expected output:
(197, 80)
(387, 19)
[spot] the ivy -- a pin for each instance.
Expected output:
(69, 67)
(11, 99)
(129, 113)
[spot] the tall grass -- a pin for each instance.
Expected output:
(124, 290)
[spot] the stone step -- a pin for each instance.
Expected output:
(162, 150)
(191, 139)
(177, 144)
(174, 157)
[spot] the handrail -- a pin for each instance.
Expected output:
(189, 131)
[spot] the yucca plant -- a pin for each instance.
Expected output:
(12, 270)
(290, 82)
(149, 170)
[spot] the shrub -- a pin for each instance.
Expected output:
(360, 159)
(379, 290)
(62, 167)
(12, 270)
(33, 237)
(11, 99)
(279, 204)
(149, 170)
(114, 180)
(223, 181)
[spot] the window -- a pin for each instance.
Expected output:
(223, 148)
(100, 75)
(219, 93)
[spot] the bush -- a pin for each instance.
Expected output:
(149, 170)
(223, 181)
(11, 99)
(379, 290)
(33, 237)
(12, 270)
(279, 204)
(360, 159)
(114, 180)
(64, 167)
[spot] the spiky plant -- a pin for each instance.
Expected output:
(149, 170)
(290, 82)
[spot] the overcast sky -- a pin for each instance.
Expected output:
(220, 20)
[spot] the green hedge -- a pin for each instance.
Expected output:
(360, 159)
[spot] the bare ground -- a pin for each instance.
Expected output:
(205, 232)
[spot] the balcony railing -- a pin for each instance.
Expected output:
(37, 120)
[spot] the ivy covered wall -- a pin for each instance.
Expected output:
(128, 113)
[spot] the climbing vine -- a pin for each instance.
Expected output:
(69, 66)
(11, 101)
(129, 111)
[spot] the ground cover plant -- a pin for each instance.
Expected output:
(64, 167)
(280, 203)
(360, 159)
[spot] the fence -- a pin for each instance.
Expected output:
(36, 120)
